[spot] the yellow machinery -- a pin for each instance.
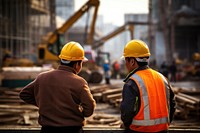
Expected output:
(49, 50)
(10, 61)
(196, 56)
(196, 64)
(190, 69)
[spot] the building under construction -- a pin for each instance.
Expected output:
(23, 23)
(179, 23)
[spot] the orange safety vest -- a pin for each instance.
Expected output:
(153, 115)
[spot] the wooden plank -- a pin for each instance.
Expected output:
(10, 119)
(98, 89)
(114, 96)
(23, 107)
(97, 97)
(189, 97)
(11, 101)
(185, 100)
(110, 92)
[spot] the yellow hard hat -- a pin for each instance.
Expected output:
(72, 51)
(136, 48)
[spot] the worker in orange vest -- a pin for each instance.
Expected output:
(63, 98)
(148, 101)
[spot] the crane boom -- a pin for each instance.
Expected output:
(78, 14)
(117, 31)
(127, 26)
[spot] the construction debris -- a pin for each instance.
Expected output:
(107, 114)
(104, 119)
(111, 94)
(187, 99)
(14, 111)
(187, 103)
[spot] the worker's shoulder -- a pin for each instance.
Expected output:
(130, 83)
(74, 77)
(80, 79)
(46, 72)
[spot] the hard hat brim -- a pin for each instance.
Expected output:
(68, 61)
(65, 61)
(122, 58)
(85, 59)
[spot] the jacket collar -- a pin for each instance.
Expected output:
(134, 71)
(66, 68)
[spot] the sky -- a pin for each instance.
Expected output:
(113, 10)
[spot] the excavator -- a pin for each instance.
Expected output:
(49, 49)
(52, 43)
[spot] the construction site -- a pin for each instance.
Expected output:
(30, 42)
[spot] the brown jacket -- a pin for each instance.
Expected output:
(58, 94)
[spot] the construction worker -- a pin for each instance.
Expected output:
(106, 68)
(63, 97)
(116, 69)
(147, 98)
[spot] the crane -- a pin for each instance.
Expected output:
(127, 26)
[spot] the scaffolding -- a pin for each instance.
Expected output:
(22, 25)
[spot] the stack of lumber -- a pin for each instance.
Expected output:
(187, 99)
(98, 90)
(187, 103)
(111, 94)
(14, 111)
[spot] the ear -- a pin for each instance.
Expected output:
(132, 61)
(75, 66)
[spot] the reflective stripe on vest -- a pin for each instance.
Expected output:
(147, 120)
(167, 89)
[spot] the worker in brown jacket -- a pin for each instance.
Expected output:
(63, 97)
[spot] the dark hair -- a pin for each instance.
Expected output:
(71, 64)
(128, 58)
(142, 63)
(139, 63)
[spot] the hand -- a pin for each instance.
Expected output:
(122, 126)
(80, 108)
